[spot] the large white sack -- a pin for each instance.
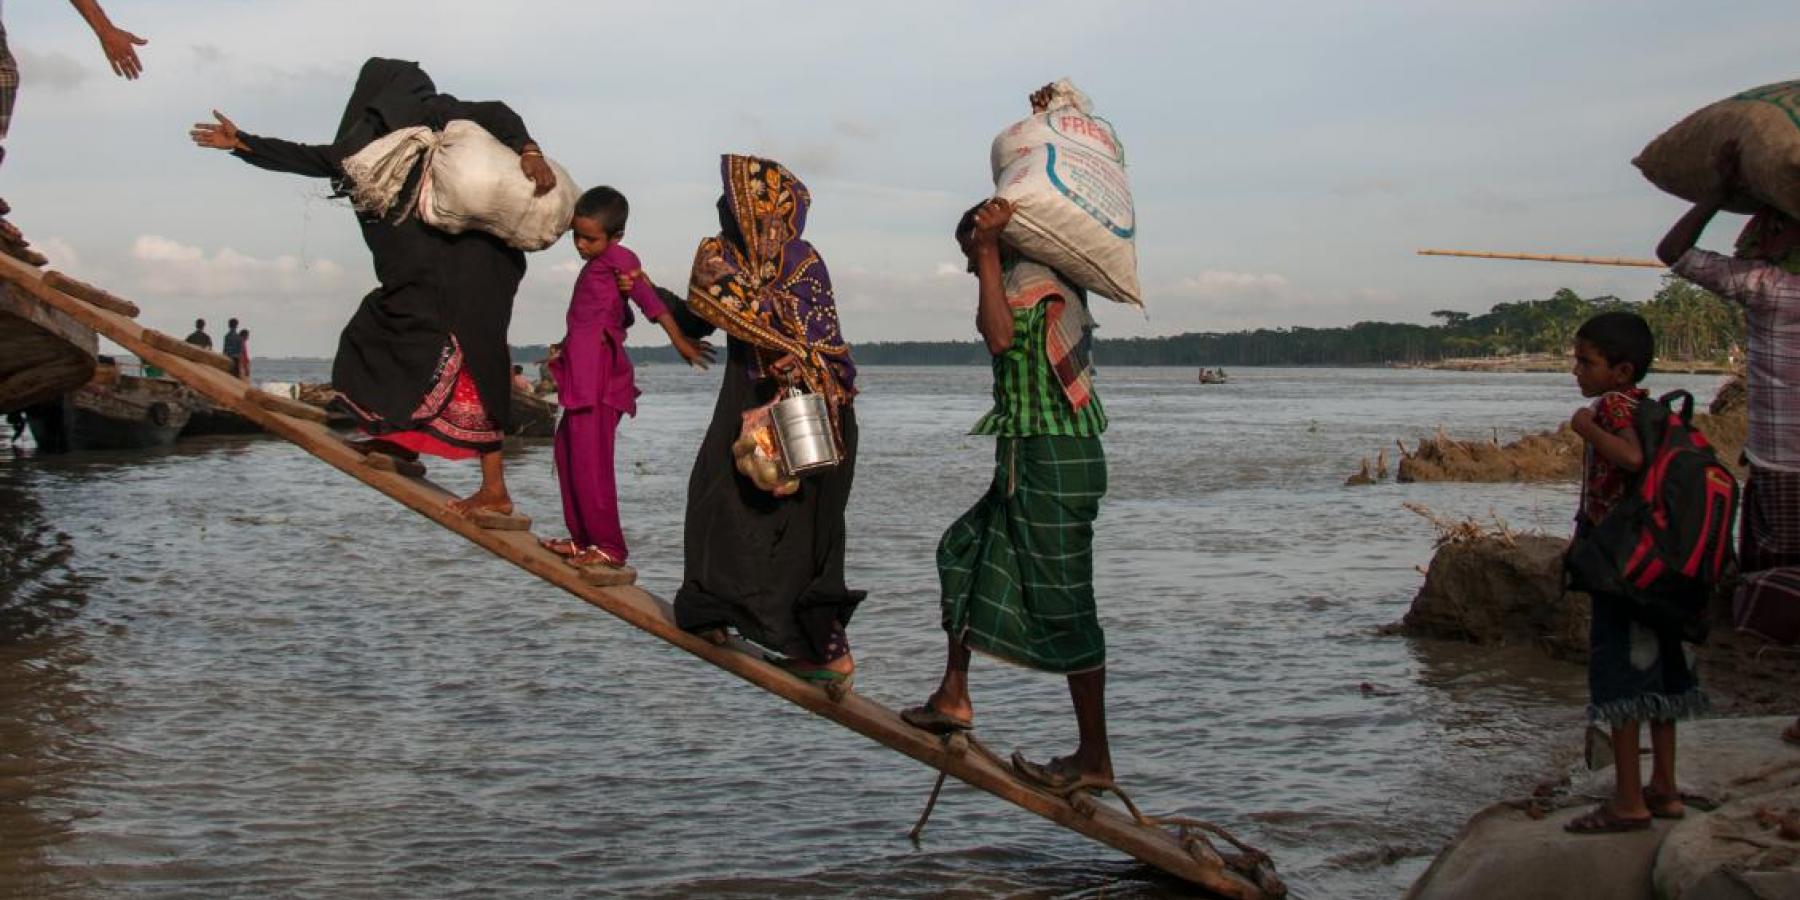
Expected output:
(474, 181)
(1064, 172)
(471, 180)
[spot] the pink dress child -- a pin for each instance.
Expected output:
(595, 387)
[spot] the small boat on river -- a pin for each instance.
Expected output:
(1213, 376)
(113, 411)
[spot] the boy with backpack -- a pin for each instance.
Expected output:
(1637, 671)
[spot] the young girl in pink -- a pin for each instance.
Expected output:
(594, 380)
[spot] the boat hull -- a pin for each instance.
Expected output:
(121, 412)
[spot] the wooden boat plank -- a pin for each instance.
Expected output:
(645, 612)
(168, 343)
(87, 293)
(44, 353)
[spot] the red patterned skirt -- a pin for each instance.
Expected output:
(450, 422)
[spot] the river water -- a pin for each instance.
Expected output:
(225, 669)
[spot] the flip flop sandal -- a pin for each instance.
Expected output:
(1057, 776)
(1602, 820)
(926, 717)
(825, 678)
(560, 546)
(1655, 800)
(591, 556)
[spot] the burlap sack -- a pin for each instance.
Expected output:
(1766, 124)
(1064, 172)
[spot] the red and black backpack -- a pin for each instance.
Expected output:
(1669, 541)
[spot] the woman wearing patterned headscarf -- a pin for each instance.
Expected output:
(423, 365)
(771, 567)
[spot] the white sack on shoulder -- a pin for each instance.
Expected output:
(474, 181)
(471, 181)
(1064, 172)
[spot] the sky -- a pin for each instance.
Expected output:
(1287, 158)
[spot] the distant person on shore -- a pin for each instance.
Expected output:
(520, 384)
(200, 338)
(770, 566)
(119, 47)
(1764, 278)
(1636, 672)
(243, 357)
(232, 344)
(1017, 570)
(423, 365)
(594, 380)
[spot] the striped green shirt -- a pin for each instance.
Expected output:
(1028, 399)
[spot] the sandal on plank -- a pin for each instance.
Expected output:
(1602, 820)
(813, 674)
(1660, 803)
(560, 546)
(928, 718)
(491, 516)
(591, 557)
(1059, 776)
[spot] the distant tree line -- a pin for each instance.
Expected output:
(1691, 324)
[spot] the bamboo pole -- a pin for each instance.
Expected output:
(1551, 257)
(1149, 844)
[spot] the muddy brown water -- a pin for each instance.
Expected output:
(225, 669)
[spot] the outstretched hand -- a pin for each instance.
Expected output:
(119, 46)
(220, 136)
(1040, 98)
(532, 163)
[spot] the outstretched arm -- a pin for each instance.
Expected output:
(117, 43)
(274, 154)
(1686, 231)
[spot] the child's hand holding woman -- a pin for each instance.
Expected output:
(698, 354)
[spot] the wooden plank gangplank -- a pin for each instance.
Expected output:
(1153, 845)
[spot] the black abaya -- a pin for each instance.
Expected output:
(433, 285)
(773, 568)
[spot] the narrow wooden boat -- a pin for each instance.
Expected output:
(112, 411)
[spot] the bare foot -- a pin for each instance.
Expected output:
(961, 709)
(715, 636)
(483, 501)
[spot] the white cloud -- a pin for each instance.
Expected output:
(1213, 284)
(166, 267)
(57, 71)
(61, 253)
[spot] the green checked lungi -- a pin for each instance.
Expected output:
(1017, 569)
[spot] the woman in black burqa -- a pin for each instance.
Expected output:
(423, 365)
